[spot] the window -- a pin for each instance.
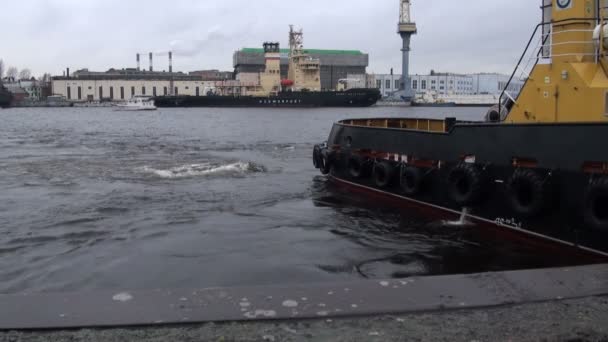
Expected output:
(442, 82)
(423, 85)
(441, 88)
(433, 87)
(165, 91)
(397, 84)
(80, 93)
(198, 91)
(433, 81)
(388, 84)
(143, 90)
(132, 91)
(415, 84)
(378, 84)
(176, 91)
(451, 81)
(69, 93)
(153, 91)
(112, 93)
(100, 93)
(122, 93)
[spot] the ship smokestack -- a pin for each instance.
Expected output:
(170, 61)
(151, 62)
(138, 62)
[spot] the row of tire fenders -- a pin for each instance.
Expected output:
(529, 191)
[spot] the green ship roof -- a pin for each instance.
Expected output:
(310, 51)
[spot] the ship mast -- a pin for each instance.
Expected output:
(296, 42)
(304, 71)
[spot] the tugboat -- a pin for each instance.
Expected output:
(301, 89)
(536, 168)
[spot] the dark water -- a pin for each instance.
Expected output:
(95, 199)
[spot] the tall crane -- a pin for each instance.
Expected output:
(406, 29)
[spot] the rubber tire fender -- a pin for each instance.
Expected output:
(411, 180)
(465, 184)
(527, 193)
(326, 161)
(383, 173)
(316, 157)
(356, 166)
(595, 211)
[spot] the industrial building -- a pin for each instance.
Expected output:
(116, 85)
(335, 64)
(450, 84)
(492, 83)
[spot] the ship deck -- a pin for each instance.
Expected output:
(417, 124)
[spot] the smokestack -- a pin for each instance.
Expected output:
(138, 63)
(68, 72)
(151, 62)
(170, 61)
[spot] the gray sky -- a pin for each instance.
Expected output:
(457, 36)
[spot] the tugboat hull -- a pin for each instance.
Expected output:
(544, 180)
(349, 98)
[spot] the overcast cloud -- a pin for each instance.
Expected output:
(457, 36)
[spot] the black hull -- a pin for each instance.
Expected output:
(349, 98)
(5, 98)
(558, 152)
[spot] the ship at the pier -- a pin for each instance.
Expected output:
(302, 88)
(536, 168)
(5, 97)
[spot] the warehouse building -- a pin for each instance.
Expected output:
(450, 84)
(123, 84)
(335, 64)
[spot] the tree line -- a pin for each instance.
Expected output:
(16, 74)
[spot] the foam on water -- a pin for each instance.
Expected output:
(205, 169)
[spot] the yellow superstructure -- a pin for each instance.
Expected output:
(270, 78)
(304, 71)
(569, 83)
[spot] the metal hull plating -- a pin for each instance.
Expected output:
(5, 98)
(559, 153)
(349, 98)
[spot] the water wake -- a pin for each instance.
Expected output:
(206, 170)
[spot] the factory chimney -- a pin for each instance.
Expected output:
(151, 62)
(138, 62)
(171, 81)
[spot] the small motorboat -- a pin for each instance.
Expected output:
(136, 103)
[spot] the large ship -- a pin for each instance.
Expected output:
(536, 168)
(348, 98)
(5, 97)
(302, 88)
